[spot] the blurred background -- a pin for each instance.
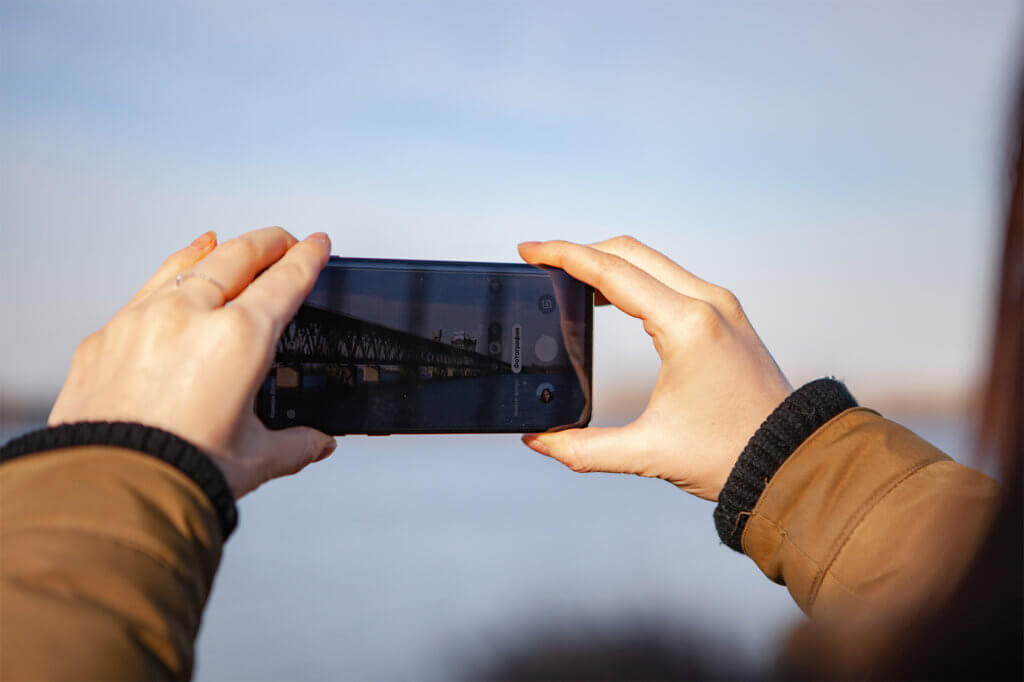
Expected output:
(839, 166)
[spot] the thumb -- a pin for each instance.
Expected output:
(290, 450)
(609, 449)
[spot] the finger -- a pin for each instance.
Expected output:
(235, 263)
(177, 263)
(291, 450)
(591, 449)
(626, 286)
(279, 291)
(658, 265)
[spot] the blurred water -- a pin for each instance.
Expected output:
(401, 557)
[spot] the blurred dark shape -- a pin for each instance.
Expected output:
(621, 647)
(979, 632)
(14, 407)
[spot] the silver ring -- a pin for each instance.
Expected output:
(201, 275)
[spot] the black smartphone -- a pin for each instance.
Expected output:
(406, 346)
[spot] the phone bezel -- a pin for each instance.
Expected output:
(483, 267)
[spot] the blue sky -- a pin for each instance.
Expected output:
(838, 165)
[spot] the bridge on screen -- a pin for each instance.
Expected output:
(318, 335)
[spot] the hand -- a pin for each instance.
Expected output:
(716, 384)
(178, 358)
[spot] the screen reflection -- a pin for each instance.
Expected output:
(416, 346)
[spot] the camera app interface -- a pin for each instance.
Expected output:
(380, 347)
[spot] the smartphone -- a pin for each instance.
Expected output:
(406, 346)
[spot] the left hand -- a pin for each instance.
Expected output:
(189, 359)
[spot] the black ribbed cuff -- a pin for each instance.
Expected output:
(793, 421)
(165, 446)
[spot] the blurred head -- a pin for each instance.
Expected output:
(1002, 421)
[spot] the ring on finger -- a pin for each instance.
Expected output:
(203, 276)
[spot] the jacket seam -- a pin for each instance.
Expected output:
(787, 537)
(858, 518)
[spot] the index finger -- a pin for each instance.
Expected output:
(658, 265)
(626, 286)
(280, 290)
(236, 262)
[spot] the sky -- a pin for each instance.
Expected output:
(839, 166)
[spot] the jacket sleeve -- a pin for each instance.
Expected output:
(107, 557)
(865, 516)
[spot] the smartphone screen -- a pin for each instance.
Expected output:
(392, 346)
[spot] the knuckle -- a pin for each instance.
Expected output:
(312, 449)
(264, 470)
(612, 269)
(560, 247)
(700, 320)
(297, 272)
(727, 302)
(248, 322)
(577, 465)
(244, 247)
(627, 242)
(576, 462)
(89, 345)
(280, 235)
(172, 309)
(167, 314)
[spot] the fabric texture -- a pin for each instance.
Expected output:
(153, 441)
(108, 560)
(865, 512)
(796, 418)
(870, 528)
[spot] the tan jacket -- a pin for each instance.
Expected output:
(107, 556)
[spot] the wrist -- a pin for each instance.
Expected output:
(785, 429)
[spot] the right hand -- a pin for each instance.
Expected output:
(717, 382)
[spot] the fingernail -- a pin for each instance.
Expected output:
(328, 449)
(536, 445)
(204, 240)
(528, 244)
(321, 236)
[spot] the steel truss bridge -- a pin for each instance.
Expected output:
(318, 335)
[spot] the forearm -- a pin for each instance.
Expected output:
(108, 557)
